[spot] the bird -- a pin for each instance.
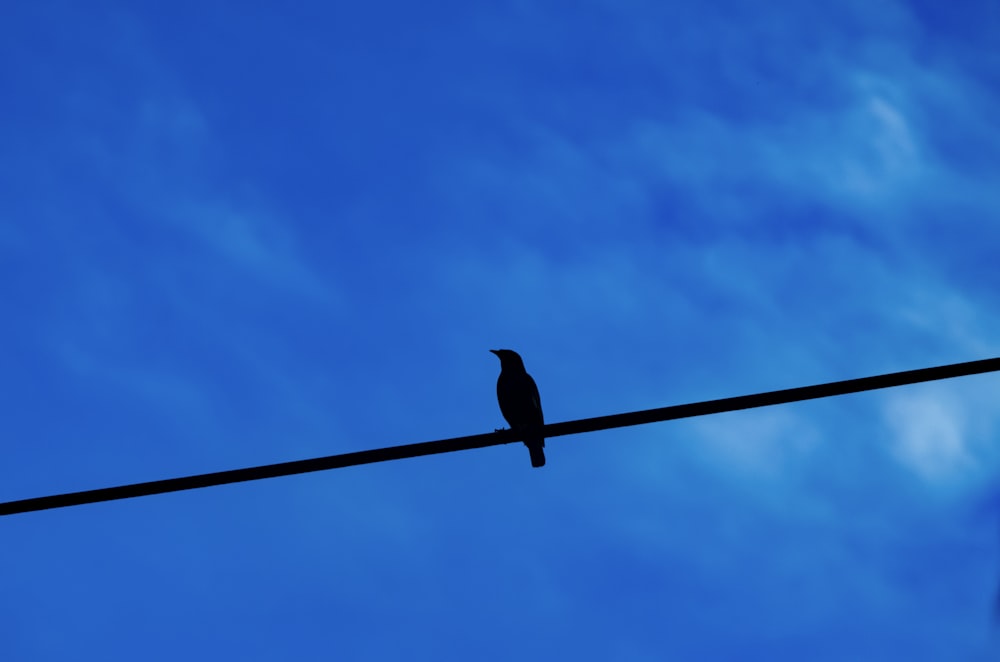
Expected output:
(520, 403)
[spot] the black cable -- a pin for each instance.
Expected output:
(502, 437)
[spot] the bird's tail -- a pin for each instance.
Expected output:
(536, 448)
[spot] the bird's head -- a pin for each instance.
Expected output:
(508, 358)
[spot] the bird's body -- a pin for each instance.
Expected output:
(520, 403)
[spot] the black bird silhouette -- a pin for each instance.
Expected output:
(520, 403)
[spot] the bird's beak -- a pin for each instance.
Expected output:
(495, 351)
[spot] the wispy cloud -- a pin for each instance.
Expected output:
(254, 243)
(864, 155)
(943, 434)
(762, 446)
(930, 436)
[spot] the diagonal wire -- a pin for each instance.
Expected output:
(673, 412)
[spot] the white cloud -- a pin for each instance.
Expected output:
(254, 242)
(880, 154)
(928, 307)
(930, 435)
(865, 153)
(762, 445)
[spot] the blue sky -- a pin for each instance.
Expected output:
(237, 233)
